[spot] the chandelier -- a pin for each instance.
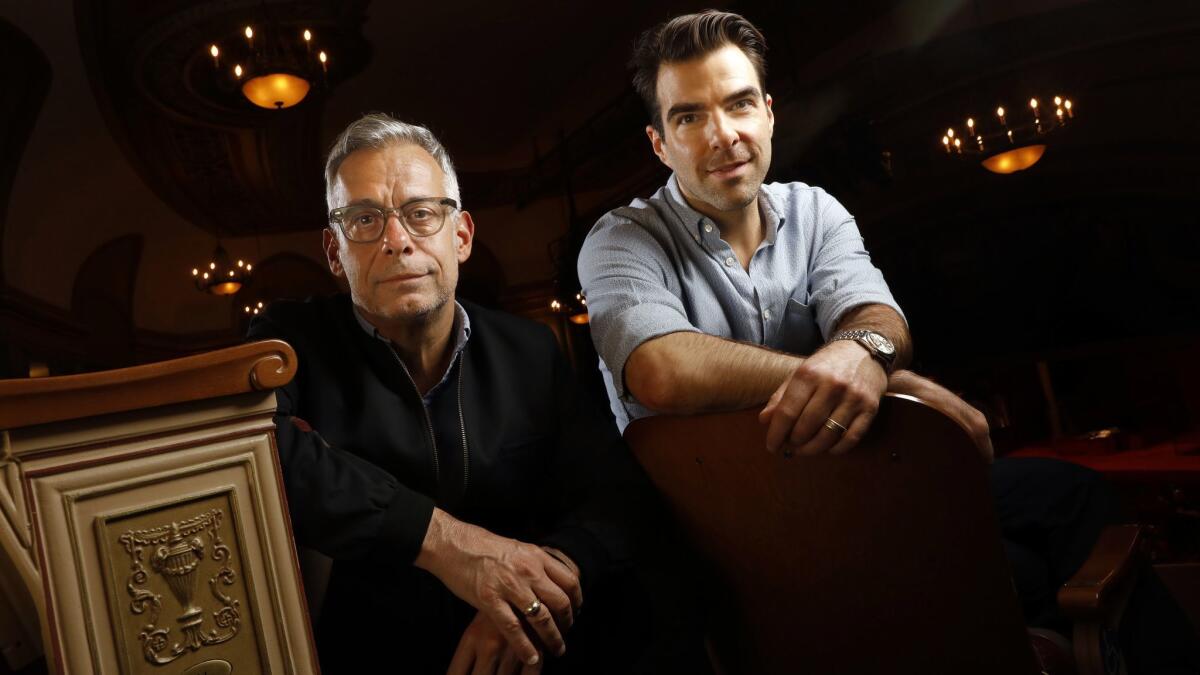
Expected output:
(576, 310)
(220, 277)
(1009, 144)
(274, 68)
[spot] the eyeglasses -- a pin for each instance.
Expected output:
(365, 224)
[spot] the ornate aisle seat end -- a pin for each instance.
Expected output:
(145, 522)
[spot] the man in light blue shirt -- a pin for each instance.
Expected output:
(721, 293)
(718, 292)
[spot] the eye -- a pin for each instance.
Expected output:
(420, 214)
(686, 118)
(743, 104)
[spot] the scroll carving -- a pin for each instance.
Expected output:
(174, 552)
(273, 370)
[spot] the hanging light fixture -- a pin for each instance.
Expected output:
(576, 309)
(220, 276)
(1010, 143)
(273, 67)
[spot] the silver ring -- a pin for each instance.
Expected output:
(834, 425)
(533, 608)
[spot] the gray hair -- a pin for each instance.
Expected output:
(378, 131)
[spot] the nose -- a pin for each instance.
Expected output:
(722, 134)
(395, 237)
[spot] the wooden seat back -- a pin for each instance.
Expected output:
(887, 559)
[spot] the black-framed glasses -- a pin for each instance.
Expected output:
(364, 224)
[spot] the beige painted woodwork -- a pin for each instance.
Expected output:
(144, 524)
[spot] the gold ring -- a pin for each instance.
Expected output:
(834, 425)
(533, 608)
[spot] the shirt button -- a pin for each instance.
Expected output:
(766, 314)
(729, 261)
(708, 227)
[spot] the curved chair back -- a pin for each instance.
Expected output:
(887, 559)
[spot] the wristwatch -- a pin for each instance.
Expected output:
(880, 348)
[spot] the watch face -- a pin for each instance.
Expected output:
(881, 343)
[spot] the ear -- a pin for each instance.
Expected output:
(656, 142)
(329, 242)
(464, 235)
(770, 113)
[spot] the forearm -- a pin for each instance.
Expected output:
(683, 373)
(885, 321)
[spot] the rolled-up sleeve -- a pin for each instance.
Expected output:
(841, 275)
(632, 291)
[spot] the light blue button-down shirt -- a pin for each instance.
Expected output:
(658, 266)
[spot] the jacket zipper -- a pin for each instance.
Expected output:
(462, 425)
(437, 470)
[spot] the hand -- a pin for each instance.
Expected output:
(841, 381)
(483, 650)
(970, 419)
(501, 577)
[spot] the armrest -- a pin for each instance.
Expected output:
(257, 366)
(1086, 595)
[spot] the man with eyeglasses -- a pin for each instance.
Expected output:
(437, 451)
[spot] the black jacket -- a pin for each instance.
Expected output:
(544, 464)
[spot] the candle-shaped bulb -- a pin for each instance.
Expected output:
(212, 265)
(195, 272)
(945, 140)
(241, 263)
(1059, 112)
(950, 133)
(1067, 104)
(249, 33)
(971, 123)
(214, 51)
(1033, 103)
(1057, 100)
(307, 35)
(237, 71)
(322, 57)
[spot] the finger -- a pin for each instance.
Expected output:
(535, 669)
(464, 657)
(789, 408)
(555, 601)
(809, 435)
(511, 665)
(564, 578)
(855, 431)
(510, 627)
(485, 664)
(542, 623)
(769, 409)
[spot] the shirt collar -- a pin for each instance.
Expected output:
(461, 329)
(694, 221)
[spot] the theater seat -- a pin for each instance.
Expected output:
(887, 559)
(144, 527)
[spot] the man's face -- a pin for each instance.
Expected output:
(717, 126)
(399, 277)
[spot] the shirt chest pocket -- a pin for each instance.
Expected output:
(800, 334)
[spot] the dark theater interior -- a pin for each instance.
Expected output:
(1025, 174)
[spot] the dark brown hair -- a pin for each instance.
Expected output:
(688, 37)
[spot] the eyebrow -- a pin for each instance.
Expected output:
(367, 201)
(681, 108)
